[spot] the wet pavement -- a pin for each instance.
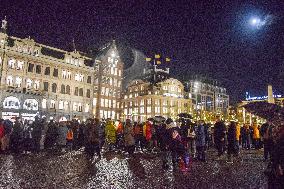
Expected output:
(73, 170)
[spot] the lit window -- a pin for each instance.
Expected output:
(114, 103)
(76, 62)
(157, 102)
(77, 77)
(81, 78)
(165, 110)
(36, 85)
(75, 106)
(87, 107)
(106, 103)
(20, 65)
(60, 105)
(165, 102)
(80, 107)
(29, 83)
(94, 101)
(142, 102)
(107, 91)
(52, 104)
(9, 80)
(102, 102)
(43, 103)
(149, 109)
(64, 74)
(11, 63)
(119, 72)
(115, 71)
(157, 110)
(69, 75)
(66, 105)
(18, 81)
(141, 110)
(165, 87)
(149, 101)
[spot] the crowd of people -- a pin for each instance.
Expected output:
(177, 142)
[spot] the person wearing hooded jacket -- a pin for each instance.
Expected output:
(110, 133)
(175, 144)
(94, 136)
(16, 136)
(129, 137)
(200, 132)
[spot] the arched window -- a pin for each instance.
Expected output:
(67, 89)
(11, 63)
(54, 87)
(88, 93)
(61, 105)
(18, 81)
(62, 89)
(9, 80)
(36, 85)
(30, 104)
(81, 92)
(66, 105)
(11, 102)
(29, 83)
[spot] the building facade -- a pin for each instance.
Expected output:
(155, 95)
(108, 84)
(207, 96)
(36, 79)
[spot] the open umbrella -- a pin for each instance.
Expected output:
(185, 115)
(159, 118)
(268, 111)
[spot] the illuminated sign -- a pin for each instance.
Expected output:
(261, 97)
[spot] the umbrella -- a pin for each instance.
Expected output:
(159, 118)
(268, 111)
(185, 116)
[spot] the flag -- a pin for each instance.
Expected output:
(157, 56)
(148, 59)
(159, 62)
(168, 59)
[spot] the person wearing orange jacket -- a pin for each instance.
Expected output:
(119, 134)
(256, 136)
(147, 132)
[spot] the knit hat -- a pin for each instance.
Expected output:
(169, 120)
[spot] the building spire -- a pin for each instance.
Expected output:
(74, 46)
(4, 25)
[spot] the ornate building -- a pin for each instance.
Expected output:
(208, 98)
(108, 83)
(144, 99)
(39, 79)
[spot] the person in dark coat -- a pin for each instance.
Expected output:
(94, 136)
(276, 173)
(200, 132)
(219, 136)
(232, 141)
(163, 141)
(266, 134)
(51, 135)
(27, 137)
(37, 133)
(16, 136)
(129, 137)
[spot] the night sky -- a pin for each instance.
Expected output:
(209, 38)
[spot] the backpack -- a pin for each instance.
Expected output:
(69, 135)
